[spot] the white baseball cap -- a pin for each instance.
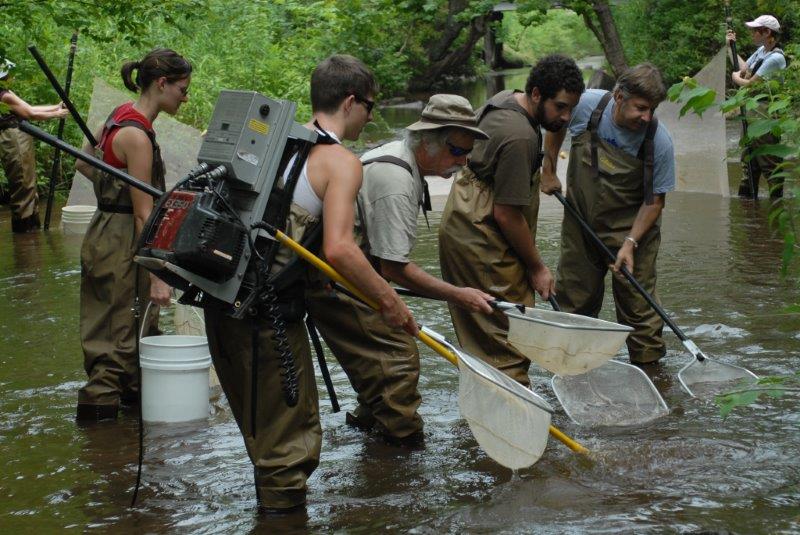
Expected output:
(5, 67)
(765, 21)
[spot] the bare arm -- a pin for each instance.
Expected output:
(338, 244)
(516, 231)
(133, 148)
(84, 168)
(415, 278)
(741, 81)
(645, 218)
(731, 38)
(552, 146)
(23, 110)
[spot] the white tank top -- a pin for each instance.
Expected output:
(304, 194)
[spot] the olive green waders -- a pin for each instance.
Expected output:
(762, 165)
(382, 363)
(110, 284)
(284, 446)
(473, 252)
(19, 163)
(609, 204)
(282, 442)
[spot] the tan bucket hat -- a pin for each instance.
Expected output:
(444, 111)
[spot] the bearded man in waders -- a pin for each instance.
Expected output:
(383, 363)
(621, 166)
(765, 63)
(488, 229)
(284, 441)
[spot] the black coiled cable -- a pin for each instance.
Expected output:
(269, 298)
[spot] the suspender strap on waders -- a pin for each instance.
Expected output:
(646, 150)
(760, 62)
(495, 104)
(279, 204)
(426, 192)
(323, 365)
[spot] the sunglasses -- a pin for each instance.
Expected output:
(455, 150)
(369, 104)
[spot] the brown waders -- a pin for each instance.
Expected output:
(110, 285)
(19, 163)
(609, 196)
(284, 446)
(283, 442)
(382, 363)
(761, 165)
(473, 252)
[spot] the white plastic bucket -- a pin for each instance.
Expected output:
(174, 378)
(75, 219)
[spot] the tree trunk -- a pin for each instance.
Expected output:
(442, 58)
(607, 35)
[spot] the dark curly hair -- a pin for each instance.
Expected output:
(553, 73)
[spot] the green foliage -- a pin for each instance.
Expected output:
(266, 46)
(773, 386)
(557, 30)
(697, 98)
(680, 38)
(771, 107)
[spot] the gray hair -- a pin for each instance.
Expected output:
(434, 140)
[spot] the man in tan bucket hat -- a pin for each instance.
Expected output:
(382, 363)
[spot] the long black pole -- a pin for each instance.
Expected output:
(742, 111)
(52, 140)
(55, 171)
(62, 94)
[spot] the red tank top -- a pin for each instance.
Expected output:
(125, 112)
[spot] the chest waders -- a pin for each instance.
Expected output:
(381, 363)
(608, 187)
(264, 362)
(473, 252)
(112, 286)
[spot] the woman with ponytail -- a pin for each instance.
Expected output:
(110, 280)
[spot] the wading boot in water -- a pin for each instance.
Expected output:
(27, 224)
(361, 418)
(88, 412)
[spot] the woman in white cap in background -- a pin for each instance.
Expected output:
(765, 62)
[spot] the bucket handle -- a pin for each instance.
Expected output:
(172, 301)
(144, 319)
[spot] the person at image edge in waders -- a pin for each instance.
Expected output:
(383, 363)
(284, 442)
(17, 153)
(765, 63)
(621, 166)
(487, 236)
(110, 280)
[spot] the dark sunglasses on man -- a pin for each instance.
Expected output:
(369, 104)
(455, 150)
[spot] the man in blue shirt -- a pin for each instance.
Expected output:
(621, 166)
(765, 63)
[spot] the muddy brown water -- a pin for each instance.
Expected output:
(688, 472)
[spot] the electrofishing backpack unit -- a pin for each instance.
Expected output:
(201, 237)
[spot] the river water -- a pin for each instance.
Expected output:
(688, 472)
